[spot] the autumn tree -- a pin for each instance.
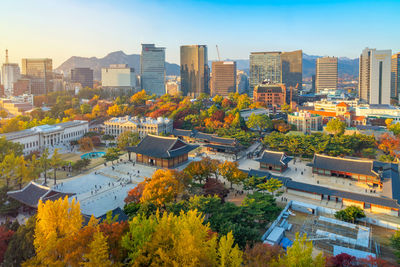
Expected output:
(389, 143)
(200, 170)
(98, 255)
(112, 154)
(136, 193)
(21, 248)
(5, 237)
(341, 260)
(229, 255)
(139, 98)
(230, 171)
(271, 185)
(395, 243)
(114, 231)
(214, 187)
(163, 187)
(335, 126)
(127, 138)
(300, 254)
(85, 144)
(261, 254)
(114, 111)
(55, 222)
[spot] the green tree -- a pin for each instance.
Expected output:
(127, 139)
(259, 122)
(85, 108)
(21, 246)
(55, 163)
(45, 163)
(335, 126)
(395, 243)
(112, 154)
(350, 214)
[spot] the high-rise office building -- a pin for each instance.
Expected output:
(395, 86)
(84, 76)
(292, 68)
(152, 69)
(10, 74)
(40, 72)
(118, 76)
(223, 81)
(326, 74)
(374, 76)
(195, 72)
(276, 67)
(264, 67)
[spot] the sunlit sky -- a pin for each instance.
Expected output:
(59, 29)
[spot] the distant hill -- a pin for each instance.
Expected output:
(346, 66)
(117, 57)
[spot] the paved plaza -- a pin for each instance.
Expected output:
(106, 188)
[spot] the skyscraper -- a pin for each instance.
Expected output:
(40, 72)
(395, 86)
(223, 78)
(276, 67)
(152, 69)
(374, 76)
(10, 74)
(326, 74)
(84, 76)
(118, 77)
(264, 66)
(292, 68)
(194, 70)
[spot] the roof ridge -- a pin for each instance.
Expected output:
(359, 160)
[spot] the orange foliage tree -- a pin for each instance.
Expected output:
(85, 144)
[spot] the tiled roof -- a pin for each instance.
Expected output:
(274, 158)
(204, 136)
(161, 147)
(342, 104)
(356, 166)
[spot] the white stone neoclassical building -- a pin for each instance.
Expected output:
(46, 136)
(142, 126)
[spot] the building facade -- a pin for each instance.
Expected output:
(84, 76)
(152, 69)
(272, 95)
(223, 78)
(264, 66)
(292, 69)
(10, 73)
(40, 71)
(305, 121)
(326, 73)
(142, 126)
(46, 136)
(172, 87)
(395, 76)
(195, 73)
(118, 76)
(374, 85)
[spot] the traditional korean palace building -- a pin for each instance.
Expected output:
(160, 151)
(30, 195)
(212, 141)
(387, 203)
(362, 170)
(274, 161)
(45, 136)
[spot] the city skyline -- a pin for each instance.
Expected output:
(237, 28)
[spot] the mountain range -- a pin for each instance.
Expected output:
(346, 66)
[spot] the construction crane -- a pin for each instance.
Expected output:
(219, 59)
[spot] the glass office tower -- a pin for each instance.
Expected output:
(152, 69)
(194, 70)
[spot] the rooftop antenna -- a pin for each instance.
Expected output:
(6, 56)
(219, 59)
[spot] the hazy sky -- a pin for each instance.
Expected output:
(59, 29)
